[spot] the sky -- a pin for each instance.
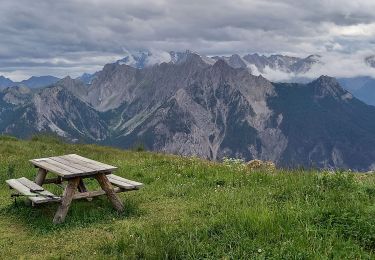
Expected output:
(69, 37)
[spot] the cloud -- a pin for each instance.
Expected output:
(75, 36)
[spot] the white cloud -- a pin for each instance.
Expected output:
(62, 37)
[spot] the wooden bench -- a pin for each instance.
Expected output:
(124, 183)
(32, 191)
(73, 169)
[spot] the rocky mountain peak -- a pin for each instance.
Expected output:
(74, 86)
(326, 86)
(221, 65)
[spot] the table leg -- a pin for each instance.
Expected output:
(82, 188)
(41, 176)
(67, 198)
(107, 187)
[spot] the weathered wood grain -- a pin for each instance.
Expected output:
(90, 165)
(107, 187)
(69, 166)
(52, 168)
(121, 179)
(24, 185)
(67, 198)
(40, 176)
(63, 166)
(72, 164)
(122, 184)
(106, 166)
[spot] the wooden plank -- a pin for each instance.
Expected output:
(67, 198)
(29, 184)
(63, 166)
(15, 184)
(106, 166)
(91, 194)
(116, 177)
(60, 169)
(19, 185)
(83, 163)
(122, 184)
(107, 187)
(51, 168)
(72, 164)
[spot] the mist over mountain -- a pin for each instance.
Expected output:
(190, 105)
(276, 67)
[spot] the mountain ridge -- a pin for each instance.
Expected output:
(212, 111)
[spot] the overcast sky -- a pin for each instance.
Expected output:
(42, 37)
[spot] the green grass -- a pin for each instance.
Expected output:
(190, 209)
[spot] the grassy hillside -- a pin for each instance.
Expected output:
(190, 208)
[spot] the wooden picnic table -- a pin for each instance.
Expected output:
(73, 169)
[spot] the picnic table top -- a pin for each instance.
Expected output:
(72, 165)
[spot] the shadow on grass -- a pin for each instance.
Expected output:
(82, 213)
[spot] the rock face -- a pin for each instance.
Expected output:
(286, 64)
(53, 109)
(322, 124)
(191, 107)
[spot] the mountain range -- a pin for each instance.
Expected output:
(295, 68)
(195, 105)
(289, 69)
(254, 62)
(32, 82)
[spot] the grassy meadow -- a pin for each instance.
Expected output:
(189, 209)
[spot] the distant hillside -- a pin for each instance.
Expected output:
(38, 82)
(189, 209)
(5, 82)
(32, 82)
(361, 87)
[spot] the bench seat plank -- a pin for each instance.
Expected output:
(23, 186)
(116, 177)
(124, 183)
